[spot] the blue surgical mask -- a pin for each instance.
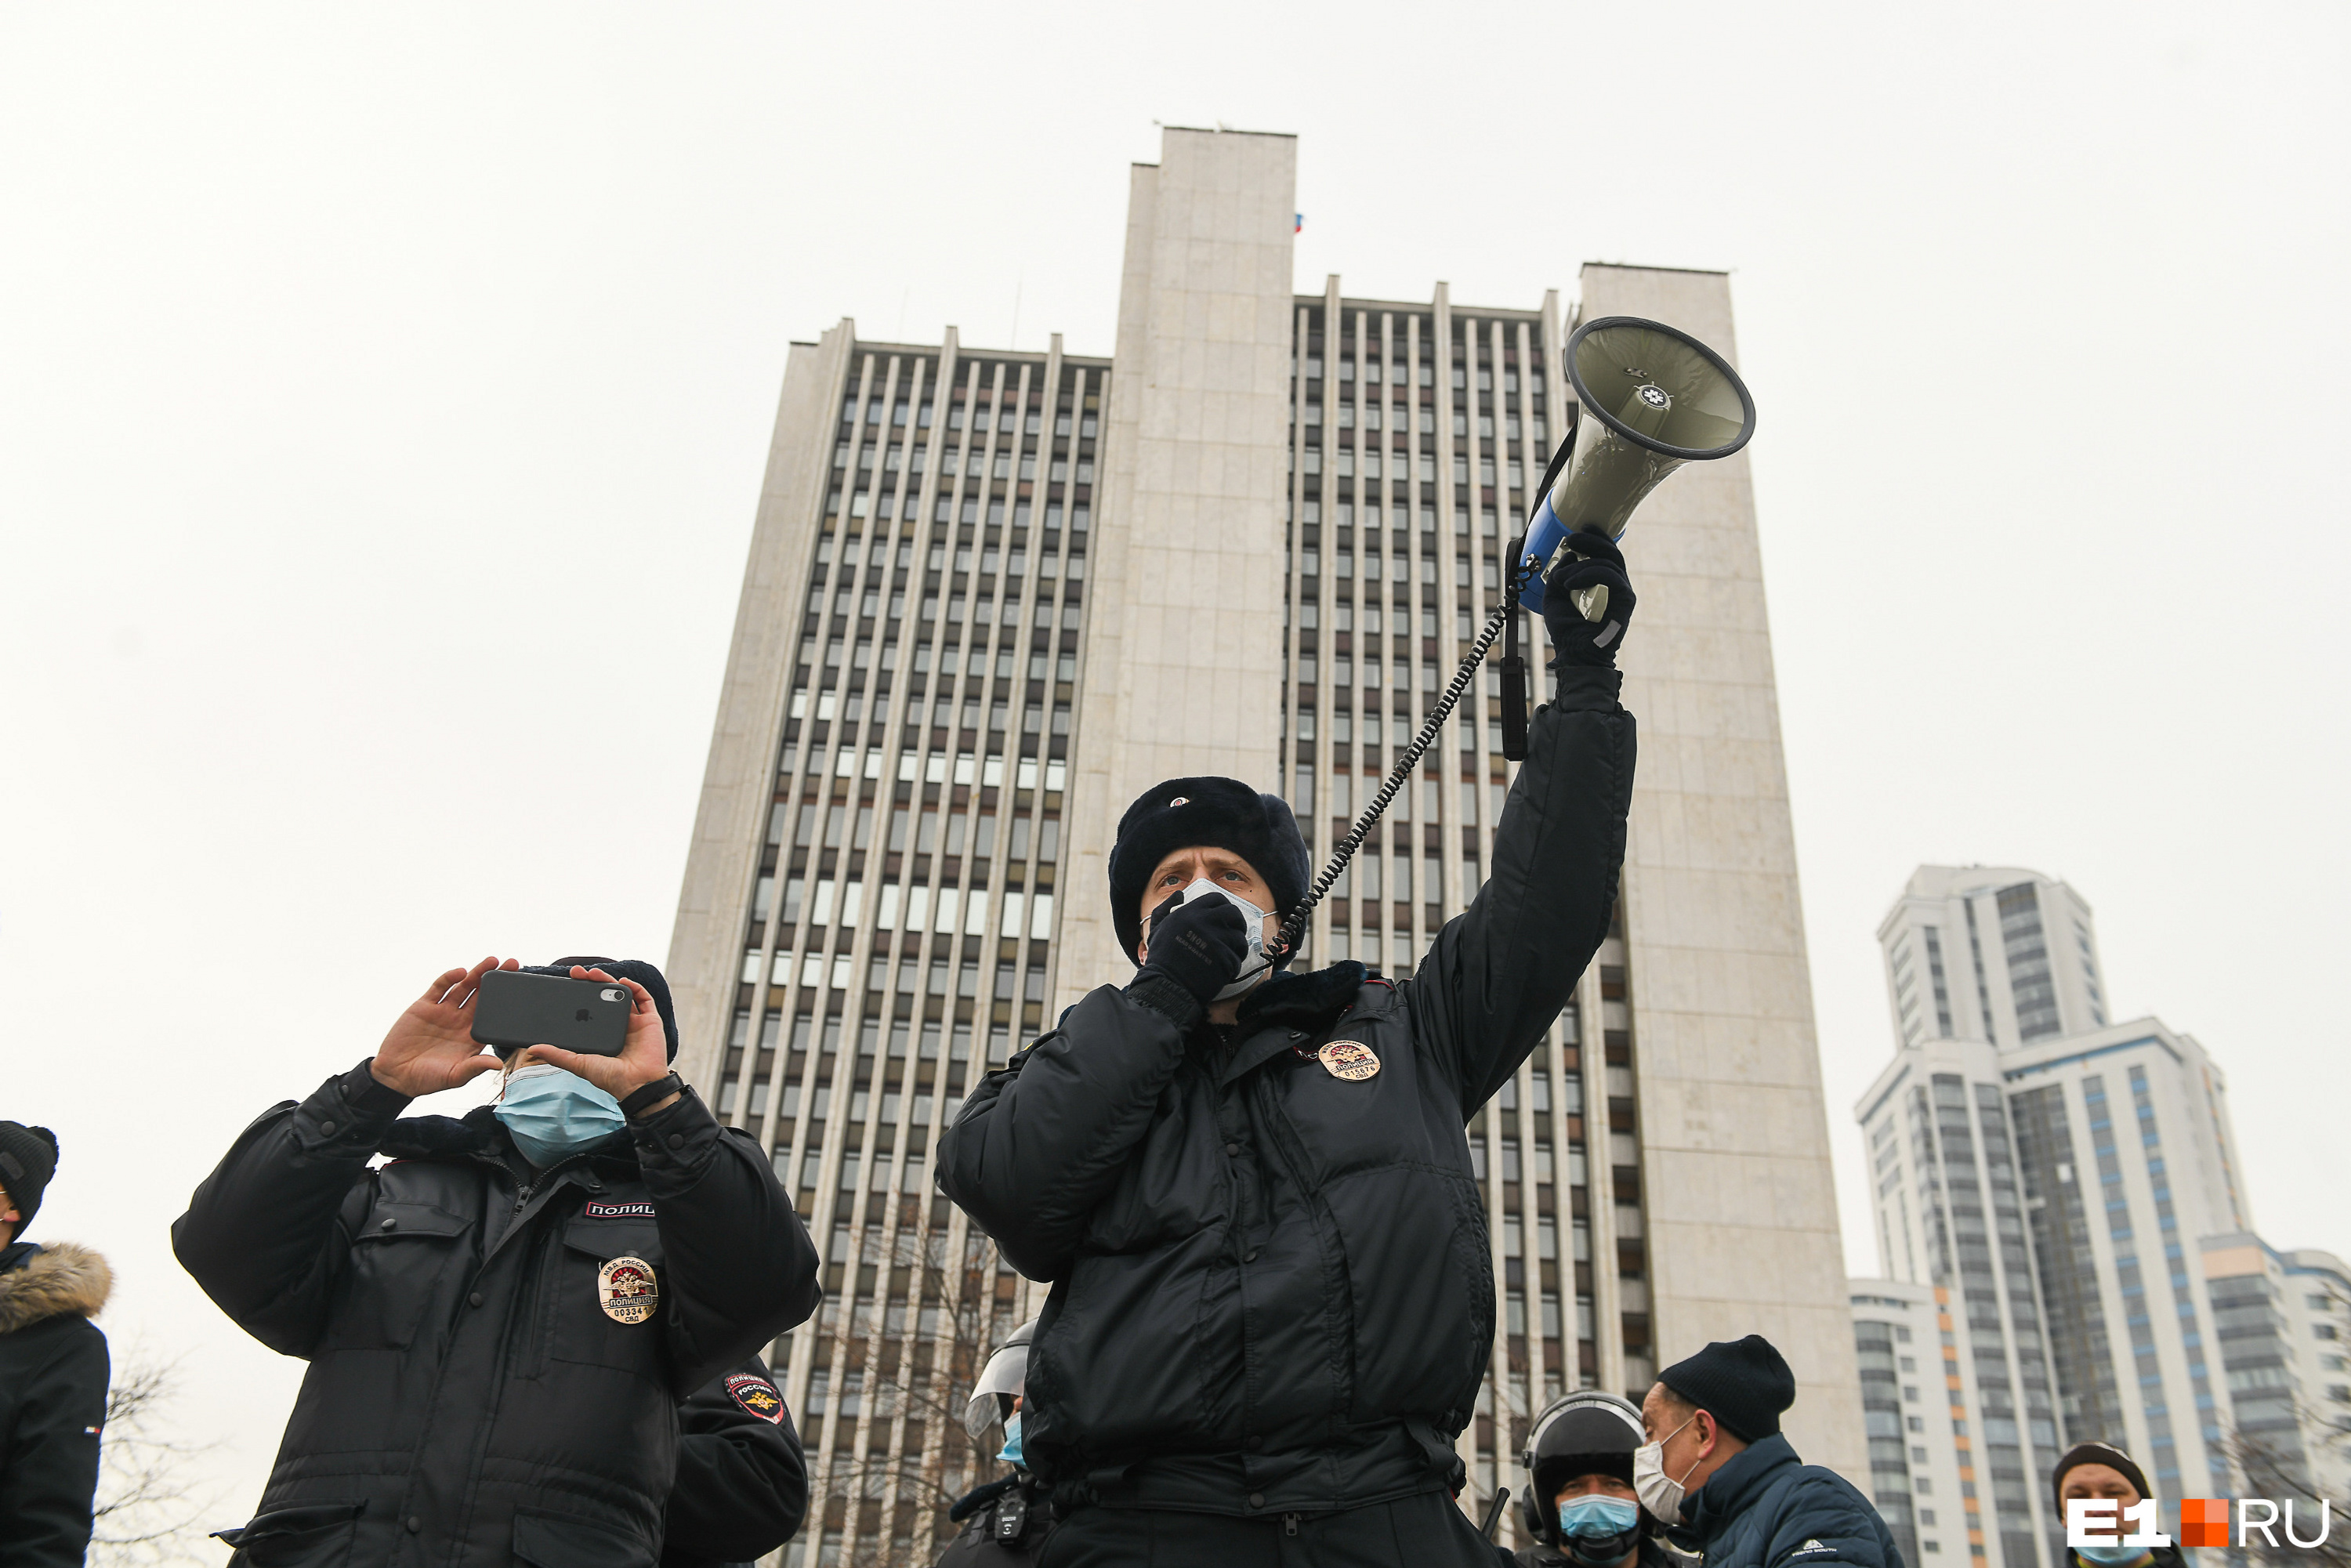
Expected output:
(1010, 1452)
(1595, 1515)
(2111, 1556)
(553, 1113)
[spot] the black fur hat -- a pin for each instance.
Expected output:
(1221, 813)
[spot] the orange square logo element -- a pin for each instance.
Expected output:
(2204, 1521)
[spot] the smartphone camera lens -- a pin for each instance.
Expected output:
(611, 993)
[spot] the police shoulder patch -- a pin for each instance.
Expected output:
(757, 1397)
(599, 1209)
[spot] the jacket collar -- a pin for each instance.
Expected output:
(1286, 1007)
(481, 1135)
(1732, 1489)
(53, 1280)
(1309, 1001)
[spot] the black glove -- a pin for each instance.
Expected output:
(1573, 639)
(1198, 945)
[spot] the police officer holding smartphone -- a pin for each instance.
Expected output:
(502, 1321)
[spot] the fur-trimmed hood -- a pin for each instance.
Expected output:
(61, 1277)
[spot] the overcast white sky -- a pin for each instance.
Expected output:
(383, 397)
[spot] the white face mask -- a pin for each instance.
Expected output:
(1659, 1492)
(1255, 965)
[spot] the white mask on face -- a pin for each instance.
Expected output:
(1255, 965)
(1659, 1492)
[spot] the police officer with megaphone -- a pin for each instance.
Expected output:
(1273, 1296)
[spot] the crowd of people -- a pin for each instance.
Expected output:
(533, 1334)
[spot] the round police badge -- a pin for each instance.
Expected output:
(757, 1397)
(1349, 1059)
(627, 1291)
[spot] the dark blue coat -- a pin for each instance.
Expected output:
(1768, 1509)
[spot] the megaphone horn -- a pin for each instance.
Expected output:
(1652, 400)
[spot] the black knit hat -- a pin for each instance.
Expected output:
(2106, 1454)
(635, 969)
(28, 1158)
(1743, 1383)
(1220, 814)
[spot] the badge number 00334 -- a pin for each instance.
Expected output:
(1349, 1059)
(627, 1291)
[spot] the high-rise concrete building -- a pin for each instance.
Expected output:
(2070, 1189)
(992, 596)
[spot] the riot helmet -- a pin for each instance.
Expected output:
(1004, 1377)
(1587, 1433)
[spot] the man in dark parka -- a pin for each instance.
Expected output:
(498, 1348)
(1721, 1476)
(1273, 1294)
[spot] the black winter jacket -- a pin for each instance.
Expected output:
(1768, 1509)
(470, 1401)
(742, 1481)
(53, 1380)
(1272, 1287)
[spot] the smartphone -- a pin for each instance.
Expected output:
(514, 1009)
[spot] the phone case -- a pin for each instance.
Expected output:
(515, 1009)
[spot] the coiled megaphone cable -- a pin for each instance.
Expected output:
(1294, 925)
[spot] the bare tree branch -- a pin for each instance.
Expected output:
(929, 1391)
(146, 1511)
(2282, 1471)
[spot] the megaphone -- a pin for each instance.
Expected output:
(1653, 398)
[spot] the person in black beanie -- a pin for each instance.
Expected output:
(2103, 1472)
(502, 1321)
(54, 1368)
(1726, 1485)
(1273, 1295)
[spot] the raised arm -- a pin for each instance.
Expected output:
(1501, 970)
(268, 1232)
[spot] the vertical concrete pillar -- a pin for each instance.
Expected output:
(1183, 632)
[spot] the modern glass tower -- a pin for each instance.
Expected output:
(2069, 1188)
(993, 596)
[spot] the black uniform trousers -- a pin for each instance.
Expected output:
(1424, 1531)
